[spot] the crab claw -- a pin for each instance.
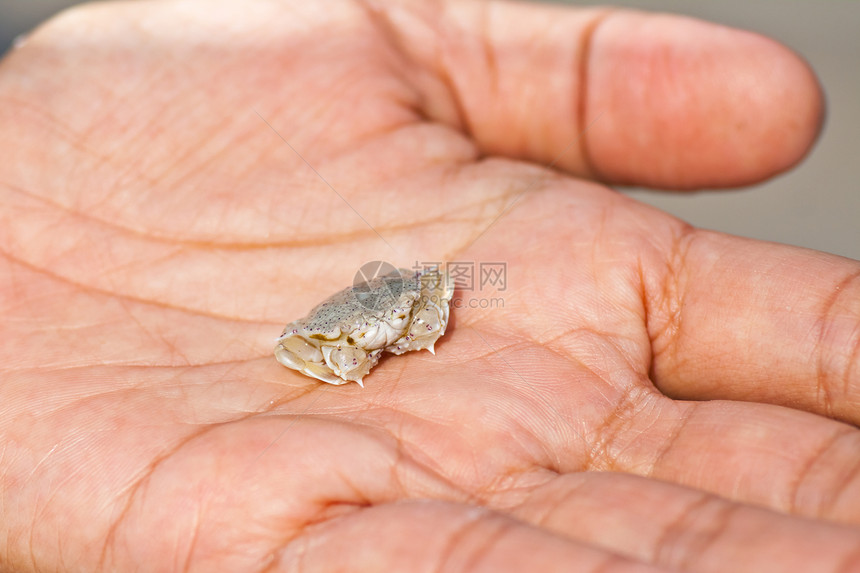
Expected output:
(297, 354)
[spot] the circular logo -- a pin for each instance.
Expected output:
(377, 285)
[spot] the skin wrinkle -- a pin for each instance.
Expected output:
(642, 289)
(485, 490)
(401, 95)
(588, 369)
(825, 376)
(586, 43)
(158, 178)
(456, 539)
(94, 290)
(77, 401)
(804, 471)
(401, 414)
(157, 238)
(491, 65)
(83, 401)
(331, 239)
(442, 73)
(55, 126)
(42, 461)
(851, 563)
(665, 319)
(610, 561)
(32, 545)
(150, 262)
(853, 360)
(592, 460)
(599, 234)
(40, 511)
(401, 461)
(506, 483)
(195, 536)
(401, 455)
(718, 523)
(135, 486)
(542, 399)
(706, 510)
(133, 489)
(848, 479)
(555, 504)
(303, 539)
(619, 349)
(511, 490)
(298, 546)
(398, 376)
(562, 352)
(173, 349)
(199, 166)
(491, 540)
(393, 35)
(670, 440)
(511, 197)
(358, 498)
(148, 234)
(573, 331)
(618, 421)
(380, 22)
(331, 512)
(564, 489)
(131, 365)
(551, 461)
(108, 112)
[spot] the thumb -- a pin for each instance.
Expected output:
(620, 96)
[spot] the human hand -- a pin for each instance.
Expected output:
(650, 396)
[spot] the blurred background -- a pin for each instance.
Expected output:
(817, 205)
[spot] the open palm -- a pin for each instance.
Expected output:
(181, 179)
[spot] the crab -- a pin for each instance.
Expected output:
(342, 338)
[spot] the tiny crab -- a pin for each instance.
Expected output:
(342, 338)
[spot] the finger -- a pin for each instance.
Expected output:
(683, 529)
(436, 536)
(626, 97)
(306, 493)
(597, 415)
(789, 461)
(786, 460)
(737, 319)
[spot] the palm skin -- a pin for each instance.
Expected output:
(183, 179)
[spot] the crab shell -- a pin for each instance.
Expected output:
(343, 337)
